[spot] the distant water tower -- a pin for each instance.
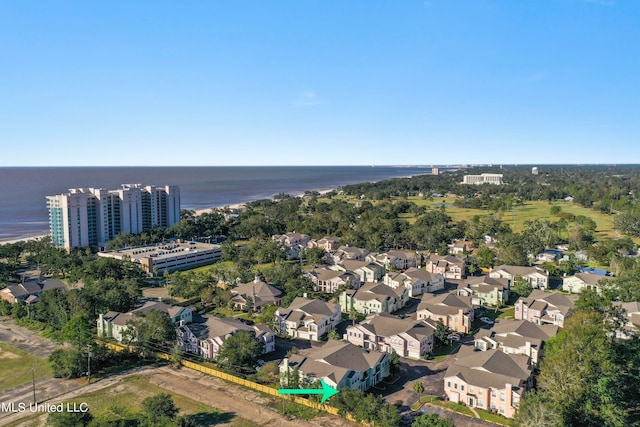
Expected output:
(534, 170)
(435, 171)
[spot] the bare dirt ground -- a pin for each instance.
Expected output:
(230, 398)
(25, 339)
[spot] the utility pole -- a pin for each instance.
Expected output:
(89, 348)
(33, 381)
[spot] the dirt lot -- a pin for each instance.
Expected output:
(25, 339)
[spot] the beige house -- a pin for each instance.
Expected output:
(537, 277)
(448, 266)
(489, 380)
(373, 298)
(416, 281)
(346, 253)
(632, 314)
(387, 333)
(516, 337)
(339, 364)
(327, 243)
(256, 293)
(401, 259)
(484, 290)
(294, 242)
(329, 280)
(581, 281)
(456, 312)
(542, 307)
(307, 318)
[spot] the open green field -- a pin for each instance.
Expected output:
(16, 365)
(521, 214)
(122, 401)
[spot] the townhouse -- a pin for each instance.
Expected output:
(372, 298)
(327, 243)
(537, 277)
(448, 266)
(256, 294)
(307, 318)
(415, 280)
(29, 290)
(387, 333)
(542, 307)
(206, 338)
(330, 280)
(294, 242)
(490, 380)
(516, 337)
(367, 271)
(346, 253)
(485, 290)
(120, 326)
(339, 364)
(400, 259)
(580, 281)
(456, 312)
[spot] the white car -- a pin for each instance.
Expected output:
(454, 337)
(487, 320)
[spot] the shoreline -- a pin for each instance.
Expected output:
(241, 205)
(24, 238)
(199, 211)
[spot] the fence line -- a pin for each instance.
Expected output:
(241, 381)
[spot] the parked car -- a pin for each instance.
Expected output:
(454, 337)
(487, 320)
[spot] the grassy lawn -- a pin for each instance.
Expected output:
(507, 313)
(122, 401)
(441, 353)
(457, 407)
(16, 366)
(496, 418)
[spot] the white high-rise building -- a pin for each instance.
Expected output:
(92, 217)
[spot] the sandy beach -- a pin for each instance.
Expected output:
(240, 206)
(25, 238)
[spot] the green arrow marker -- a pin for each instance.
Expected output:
(326, 391)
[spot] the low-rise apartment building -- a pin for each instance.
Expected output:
(581, 281)
(485, 290)
(387, 333)
(456, 312)
(339, 364)
(537, 277)
(373, 298)
(415, 280)
(448, 266)
(206, 338)
(516, 337)
(329, 280)
(307, 318)
(542, 307)
(489, 380)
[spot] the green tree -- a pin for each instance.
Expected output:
(485, 257)
(77, 331)
(394, 363)
(240, 352)
(418, 387)
(333, 335)
(442, 332)
(69, 419)
(157, 409)
(521, 287)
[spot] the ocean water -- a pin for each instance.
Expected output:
(23, 209)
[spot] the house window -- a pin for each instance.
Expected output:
(455, 386)
(449, 384)
(502, 409)
(493, 393)
(502, 397)
(462, 387)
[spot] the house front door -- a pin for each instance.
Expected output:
(471, 402)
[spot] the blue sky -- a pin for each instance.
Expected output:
(319, 82)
